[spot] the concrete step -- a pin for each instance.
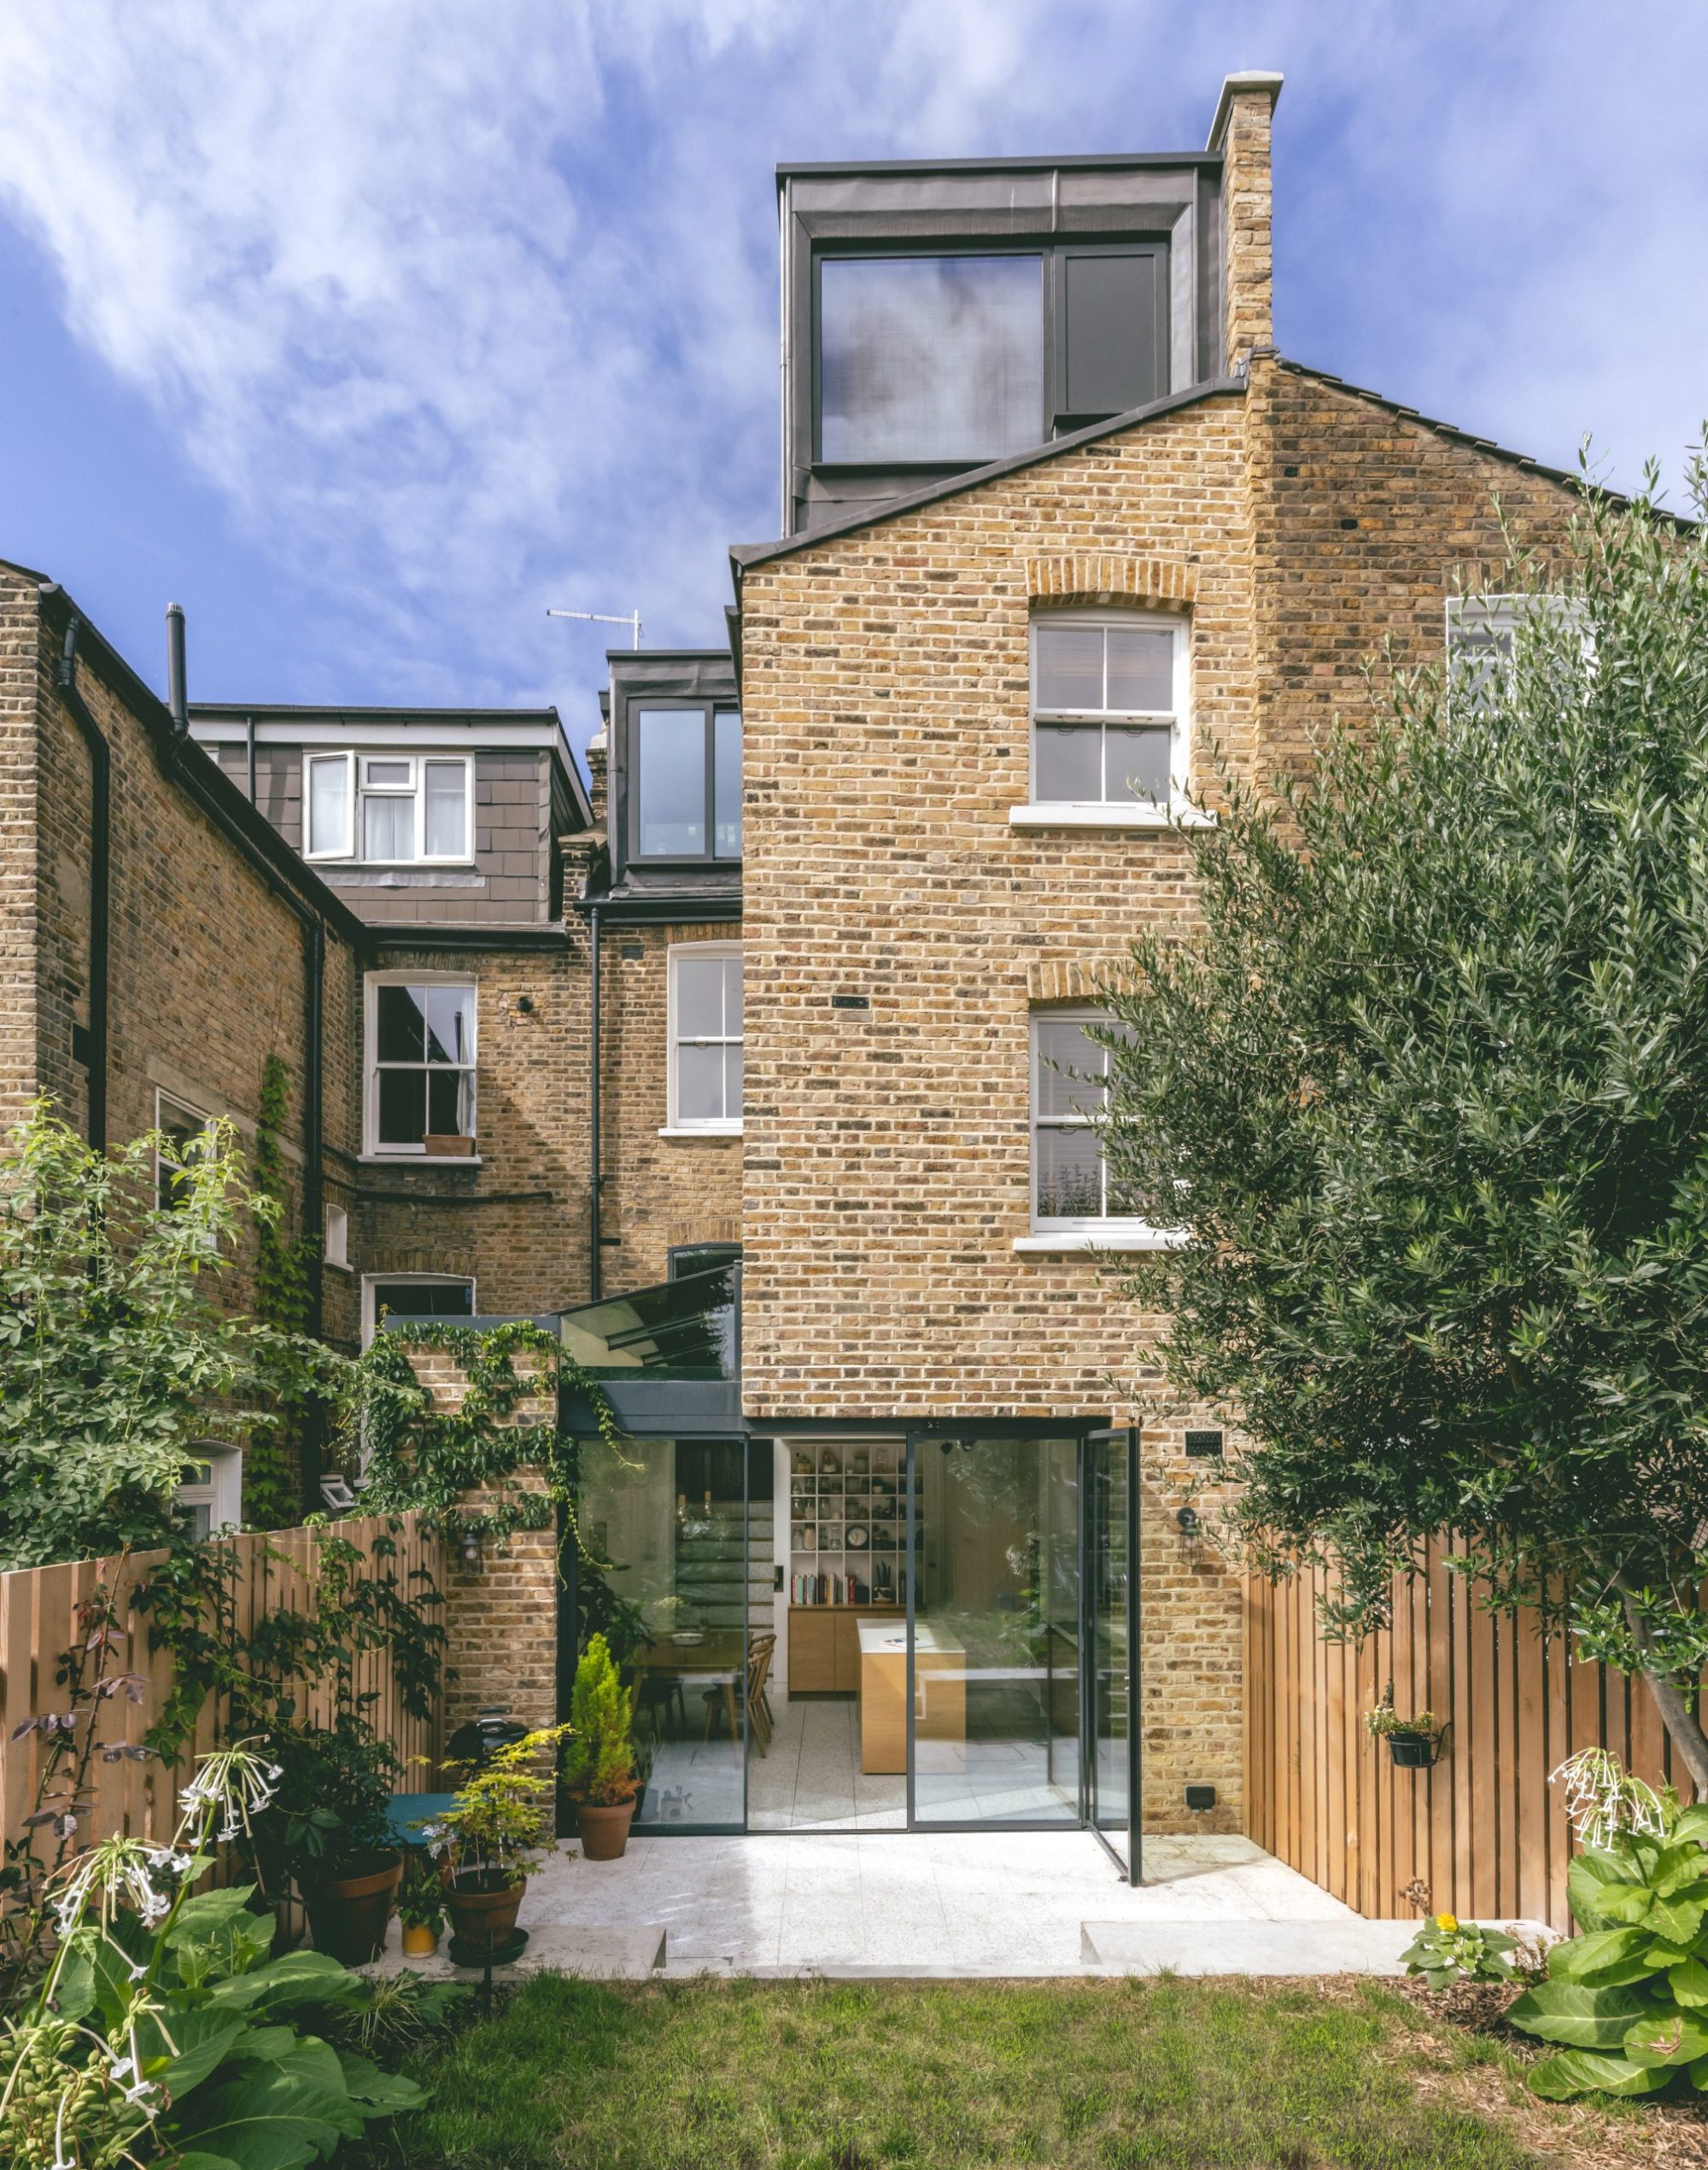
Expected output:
(1225, 1946)
(595, 1954)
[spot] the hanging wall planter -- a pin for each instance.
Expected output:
(1414, 1743)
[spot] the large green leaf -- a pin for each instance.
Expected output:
(1589, 1880)
(1679, 1921)
(205, 2036)
(114, 1952)
(1676, 1868)
(1573, 2013)
(274, 2117)
(380, 2093)
(1692, 1827)
(74, 1985)
(206, 1911)
(199, 2159)
(1667, 2038)
(1574, 2072)
(298, 1978)
(1689, 1982)
(1603, 1957)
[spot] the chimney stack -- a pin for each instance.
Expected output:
(1241, 131)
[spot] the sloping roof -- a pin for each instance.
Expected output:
(743, 554)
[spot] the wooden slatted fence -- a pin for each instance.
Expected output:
(38, 1621)
(1483, 1829)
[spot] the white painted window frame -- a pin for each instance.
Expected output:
(176, 1101)
(371, 1281)
(1084, 1232)
(335, 1243)
(403, 976)
(357, 789)
(222, 1490)
(725, 1126)
(1114, 813)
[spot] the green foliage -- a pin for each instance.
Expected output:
(598, 1759)
(1428, 1086)
(162, 2026)
(115, 1358)
(503, 1814)
(421, 1902)
(330, 1818)
(1627, 1998)
(415, 1457)
(1446, 1951)
(284, 1269)
(1384, 1720)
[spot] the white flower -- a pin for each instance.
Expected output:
(1602, 1798)
(232, 1784)
(117, 1869)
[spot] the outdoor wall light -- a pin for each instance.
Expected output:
(524, 1003)
(469, 1551)
(1187, 1520)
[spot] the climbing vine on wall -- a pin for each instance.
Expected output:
(471, 1471)
(283, 1285)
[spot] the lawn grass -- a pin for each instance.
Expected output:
(1088, 2075)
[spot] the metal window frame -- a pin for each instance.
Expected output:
(1176, 623)
(724, 1126)
(404, 976)
(1051, 249)
(709, 707)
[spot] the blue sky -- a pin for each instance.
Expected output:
(367, 328)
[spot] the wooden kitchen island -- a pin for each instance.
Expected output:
(939, 1691)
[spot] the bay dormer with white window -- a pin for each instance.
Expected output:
(448, 816)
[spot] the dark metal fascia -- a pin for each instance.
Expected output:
(397, 935)
(662, 911)
(743, 554)
(1076, 161)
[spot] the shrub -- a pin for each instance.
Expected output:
(598, 1762)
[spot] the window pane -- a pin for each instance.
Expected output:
(700, 997)
(1141, 670)
(328, 806)
(726, 789)
(732, 1081)
(1069, 762)
(402, 1106)
(402, 1024)
(1070, 1186)
(389, 828)
(390, 775)
(670, 778)
(425, 1299)
(1136, 764)
(1070, 666)
(699, 1084)
(732, 997)
(1070, 1069)
(930, 357)
(447, 809)
(450, 1102)
(450, 1023)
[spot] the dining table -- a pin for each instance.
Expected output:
(718, 1659)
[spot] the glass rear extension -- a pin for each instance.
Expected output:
(836, 1629)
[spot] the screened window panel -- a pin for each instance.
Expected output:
(1069, 762)
(700, 997)
(707, 1030)
(1070, 1175)
(1136, 764)
(726, 789)
(699, 1084)
(1141, 670)
(1071, 1070)
(446, 813)
(389, 828)
(732, 1081)
(1110, 305)
(930, 358)
(329, 807)
(1070, 666)
(671, 779)
(387, 775)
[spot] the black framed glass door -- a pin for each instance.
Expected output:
(1113, 1742)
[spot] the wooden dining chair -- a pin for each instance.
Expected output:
(760, 1651)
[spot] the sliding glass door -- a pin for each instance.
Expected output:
(1111, 1610)
(994, 1631)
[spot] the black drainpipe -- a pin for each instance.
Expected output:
(595, 1288)
(100, 864)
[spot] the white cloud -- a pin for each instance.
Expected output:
(466, 309)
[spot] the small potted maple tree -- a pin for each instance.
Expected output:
(598, 1764)
(501, 1818)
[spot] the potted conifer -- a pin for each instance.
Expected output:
(598, 1764)
(501, 1819)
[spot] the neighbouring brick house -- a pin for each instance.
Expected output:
(780, 1090)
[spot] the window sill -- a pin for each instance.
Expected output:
(418, 1160)
(700, 1130)
(1112, 1236)
(1065, 817)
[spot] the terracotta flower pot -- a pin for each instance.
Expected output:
(420, 1943)
(605, 1829)
(483, 1918)
(448, 1146)
(349, 1914)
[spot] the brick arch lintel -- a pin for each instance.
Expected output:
(1098, 578)
(1076, 979)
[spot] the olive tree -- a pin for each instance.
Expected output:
(117, 1354)
(1424, 1088)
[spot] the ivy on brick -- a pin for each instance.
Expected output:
(283, 1267)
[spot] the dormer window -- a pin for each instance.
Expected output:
(939, 357)
(388, 809)
(685, 801)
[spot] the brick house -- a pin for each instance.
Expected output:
(761, 1063)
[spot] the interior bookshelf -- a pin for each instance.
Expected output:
(847, 1525)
